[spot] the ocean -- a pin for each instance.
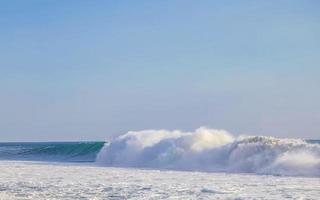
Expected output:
(51, 151)
(205, 164)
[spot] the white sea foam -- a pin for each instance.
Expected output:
(32, 180)
(212, 150)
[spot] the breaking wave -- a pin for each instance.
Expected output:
(212, 150)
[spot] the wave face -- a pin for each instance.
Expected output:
(51, 151)
(212, 150)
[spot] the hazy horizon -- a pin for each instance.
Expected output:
(89, 70)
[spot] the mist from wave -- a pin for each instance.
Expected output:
(213, 151)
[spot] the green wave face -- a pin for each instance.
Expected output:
(51, 151)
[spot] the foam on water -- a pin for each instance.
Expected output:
(212, 150)
(32, 180)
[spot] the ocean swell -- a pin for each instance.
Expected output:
(212, 150)
(51, 151)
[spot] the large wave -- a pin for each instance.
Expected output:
(212, 150)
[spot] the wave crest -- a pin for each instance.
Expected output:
(212, 150)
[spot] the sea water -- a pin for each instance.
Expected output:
(160, 164)
(34, 180)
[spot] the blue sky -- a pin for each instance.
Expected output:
(86, 70)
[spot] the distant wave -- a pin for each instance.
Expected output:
(51, 151)
(212, 150)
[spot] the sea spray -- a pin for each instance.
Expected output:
(212, 150)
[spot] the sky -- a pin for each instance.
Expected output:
(90, 70)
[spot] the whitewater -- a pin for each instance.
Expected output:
(34, 180)
(212, 150)
(162, 164)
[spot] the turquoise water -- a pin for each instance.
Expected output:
(51, 151)
(313, 141)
